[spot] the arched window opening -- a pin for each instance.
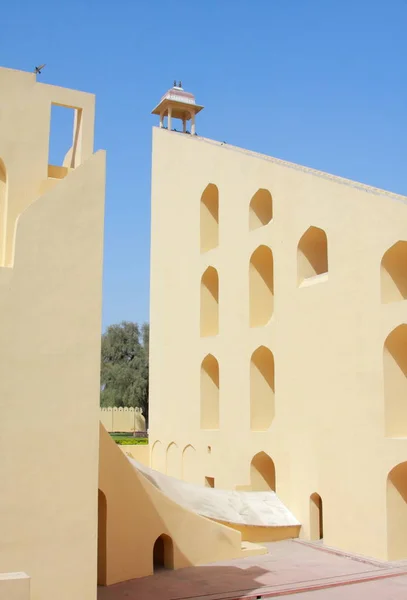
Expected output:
(210, 302)
(209, 393)
(395, 382)
(261, 286)
(102, 540)
(209, 218)
(261, 209)
(3, 210)
(393, 273)
(261, 389)
(163, 553)
(397, 513)
(316, 517)
(312, 254)
(262, 473)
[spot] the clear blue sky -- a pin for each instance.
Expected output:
(318, 82)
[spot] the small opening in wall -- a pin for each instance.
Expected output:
(64, 139)
(210, 482)
(163, 553)
(209, 449)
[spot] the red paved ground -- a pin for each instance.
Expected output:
(308, 571)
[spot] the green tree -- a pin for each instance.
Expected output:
(124, 366)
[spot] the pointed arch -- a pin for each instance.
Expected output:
(395, 382)
(173, 468)
(262, 473)
(209, 393)
(158, 457)
(261, 209)
(210, 302)
(209, 218)
(261, 389)
(189, 466)
(312, 254)
(261, 286)
(393, 273)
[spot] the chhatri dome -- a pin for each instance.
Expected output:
(178, 104)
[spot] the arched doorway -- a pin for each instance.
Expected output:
(163, 553)
(102, 523)
(316, 517)
(397, 512)
(262, 473)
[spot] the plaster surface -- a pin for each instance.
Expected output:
(243, 508)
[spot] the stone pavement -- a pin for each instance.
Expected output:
(308, 571)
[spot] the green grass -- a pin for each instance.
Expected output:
(128, 440)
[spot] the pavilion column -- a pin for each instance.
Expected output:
(184, 125)
(169, 117)
(161, 120)
(193, 123)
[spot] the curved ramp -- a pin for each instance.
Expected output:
(245, 509)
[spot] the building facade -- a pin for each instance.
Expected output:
(278, 340)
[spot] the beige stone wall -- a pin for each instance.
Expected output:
(14, 586)
(50, 323)
(122, 419)
(270, 360)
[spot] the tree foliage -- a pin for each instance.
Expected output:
(124, 366)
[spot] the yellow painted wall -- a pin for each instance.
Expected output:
(14, 586)
(125, 419)
(50, 322)
(332, 415)
(133, 514)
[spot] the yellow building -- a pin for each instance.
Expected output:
(278, 349)
(73, 507)
(51, 246)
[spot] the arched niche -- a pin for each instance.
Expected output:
(260, 209)
(209, 393)
(312, 254)
(393, 273)
(210, 302)
(261, 286)
(261, 389)
(209, 218)
(189, 465)
(173, 461)
(262, 473)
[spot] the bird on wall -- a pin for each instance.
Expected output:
(38, 70)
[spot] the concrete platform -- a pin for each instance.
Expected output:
(291, 567)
